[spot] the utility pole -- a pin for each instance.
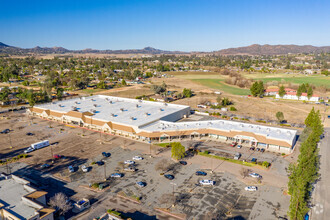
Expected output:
(173, 184)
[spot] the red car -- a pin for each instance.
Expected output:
(56, 156)
(233, 144)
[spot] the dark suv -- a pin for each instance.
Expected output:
(201, 173)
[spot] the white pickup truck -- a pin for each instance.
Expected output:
(37, 146)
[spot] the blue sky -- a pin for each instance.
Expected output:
(186, 25)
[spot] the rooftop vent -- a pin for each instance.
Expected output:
(122, 109)
(161, 109)
(165, 104)
(59, 105)
(93, 111)
(95, 105)
(137, 106)
(147, 114)
(74, 108)
(110, 102)
(113, 115)
(268, 129)
(93, 99)
(132, 118)
(107, 99)
(76, 102)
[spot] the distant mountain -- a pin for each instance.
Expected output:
(6, 49)
(266, 49)
(254, 49)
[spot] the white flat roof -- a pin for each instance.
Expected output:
(283, 134)
(11, 193)
(133, 114)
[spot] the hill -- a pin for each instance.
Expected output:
(6, 49)
(266, 49)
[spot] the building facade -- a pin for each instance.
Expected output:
(157, 122)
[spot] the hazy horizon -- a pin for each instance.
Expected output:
(172, 25)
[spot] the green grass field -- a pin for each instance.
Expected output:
(315, 80)
(220, 85)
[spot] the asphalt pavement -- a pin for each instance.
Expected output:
(321, 200)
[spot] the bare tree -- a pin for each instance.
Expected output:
(60, 202)
(244, 172)
(35, 160)
(167, 198)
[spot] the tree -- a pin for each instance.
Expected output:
(162, 165)
(60, 203)
(309, 92)
(123, 82)
(280, 116)
(187, 93)
(178, 151)
(102, 85)
(281, 92)
(244, 172)
(299, 92)
(257, 89)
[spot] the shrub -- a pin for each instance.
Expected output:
(109, 211)
(95, 185)
(93, 163)
(265, 164)
(232, 108)
(206, 152)
(283, 154)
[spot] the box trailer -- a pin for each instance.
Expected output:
(37, 146)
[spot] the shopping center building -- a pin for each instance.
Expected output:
(157, 122)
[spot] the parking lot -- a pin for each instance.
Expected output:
(226, 199)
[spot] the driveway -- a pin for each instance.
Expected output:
(321, 208)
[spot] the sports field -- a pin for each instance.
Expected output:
(314, 80)
(220, 85)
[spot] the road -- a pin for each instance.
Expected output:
(321, 200)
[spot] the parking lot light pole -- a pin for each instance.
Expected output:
(173, 184)
(105, 172)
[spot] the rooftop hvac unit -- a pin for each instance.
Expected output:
(112, 115)
(93, 111)
(132, 118)
(136, 105)
(95, 105)
(122, 109)
(165, 104)
(93, 99)
(110, 102)
(59, 105)
(147, 114)
(74, 108)
(161, 109)
(107, 99)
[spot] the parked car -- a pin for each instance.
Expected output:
(258, 149)
(99, 163)
(262, 150)
(183, 162)
(116, 175)
(255, 175)
(206, 182)
(239, 146)
(57, 156)
(44, 166)
(252, 148)
(169, 176)
(254, 160)
(251, 188)
(233, 144)
(106, 154)
(129, 162)
(237, 156)
(84, 168)
(200, 173)
(6, 131)
(137, 158)
(71, 169)
(29, 134)
(130, 169)
(141, 184)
